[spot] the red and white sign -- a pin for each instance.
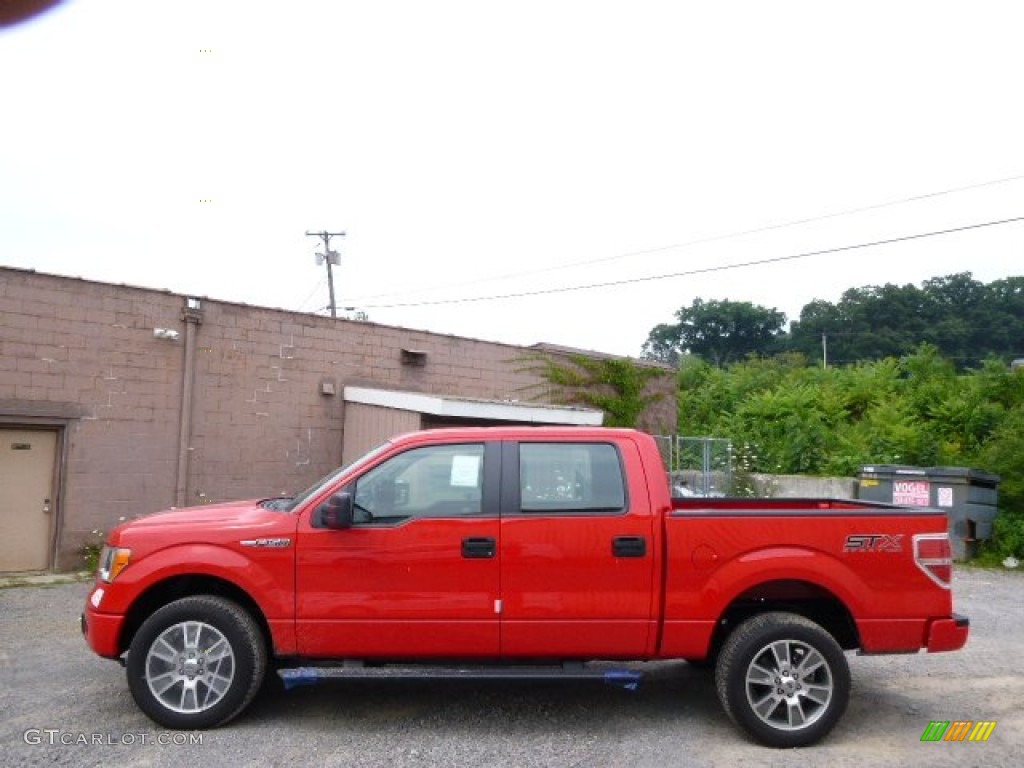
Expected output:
(911, 493)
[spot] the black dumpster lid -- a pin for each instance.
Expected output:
(892, 469)
(936, 474)
(962, 473)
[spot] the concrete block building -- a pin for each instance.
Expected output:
(117, 401)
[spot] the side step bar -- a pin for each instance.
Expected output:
(293, 677)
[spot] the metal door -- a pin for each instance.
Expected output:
(27, 461)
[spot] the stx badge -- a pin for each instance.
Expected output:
(874, 542)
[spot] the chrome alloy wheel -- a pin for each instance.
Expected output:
(789, 685)
(189, 667)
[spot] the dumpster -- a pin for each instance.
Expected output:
(969, 497)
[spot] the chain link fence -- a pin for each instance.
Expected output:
(697, 466)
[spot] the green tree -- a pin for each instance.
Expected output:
(1003, 325)
(867, 324)
(718, 331)
(662, 344)
(963, 318)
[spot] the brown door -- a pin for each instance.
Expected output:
(27, 461)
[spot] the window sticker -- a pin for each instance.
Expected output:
(465, 471)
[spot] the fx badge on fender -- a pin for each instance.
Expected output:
(283, 542)
(874, 542)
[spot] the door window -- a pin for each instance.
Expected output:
(433, 481)
(570, 477)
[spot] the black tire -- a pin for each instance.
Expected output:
(783, 679)
(196, 663)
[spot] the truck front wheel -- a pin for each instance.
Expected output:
(196, 662)
(783, 679)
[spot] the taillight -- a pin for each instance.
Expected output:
(934, 556)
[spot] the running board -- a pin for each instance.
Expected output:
(293, 677)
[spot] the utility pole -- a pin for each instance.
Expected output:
(824, 351)
(331, 258)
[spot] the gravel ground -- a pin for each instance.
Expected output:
(50, 682)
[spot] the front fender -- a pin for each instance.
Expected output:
(267, 576)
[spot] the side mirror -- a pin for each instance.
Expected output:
(335, 513)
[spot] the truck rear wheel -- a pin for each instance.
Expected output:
(196, 662)
(783, 679)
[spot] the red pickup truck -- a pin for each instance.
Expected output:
(518, 551)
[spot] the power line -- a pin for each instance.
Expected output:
(316, 288)
(701, 271)
(704, 240)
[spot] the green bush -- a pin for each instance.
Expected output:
(795, 418)
(91, 551)
(1007, 540)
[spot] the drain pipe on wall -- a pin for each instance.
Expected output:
(192, 314)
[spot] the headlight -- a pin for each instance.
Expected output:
(112, 562)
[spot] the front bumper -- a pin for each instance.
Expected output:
(948, 634)
(102, 631)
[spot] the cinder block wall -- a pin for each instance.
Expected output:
(261, 424)
(88, 349)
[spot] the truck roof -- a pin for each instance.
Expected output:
(514, 432)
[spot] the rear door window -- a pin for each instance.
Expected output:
(570, 478)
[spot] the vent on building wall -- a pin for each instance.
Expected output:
(416, 358)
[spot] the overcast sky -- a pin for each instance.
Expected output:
(474, 149)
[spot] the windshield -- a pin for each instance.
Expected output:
(332, 477)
